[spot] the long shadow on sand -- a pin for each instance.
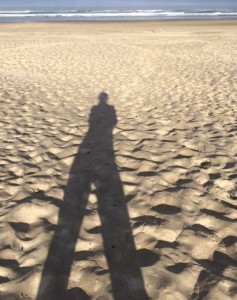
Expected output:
(94, 164)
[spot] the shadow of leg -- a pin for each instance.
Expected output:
(57, 267)
(126, 277)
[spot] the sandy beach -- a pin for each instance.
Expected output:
(118, 160)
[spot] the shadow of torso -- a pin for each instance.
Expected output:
(96, 151)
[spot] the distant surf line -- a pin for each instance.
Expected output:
(91, 15)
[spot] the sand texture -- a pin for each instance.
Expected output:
(118, 161)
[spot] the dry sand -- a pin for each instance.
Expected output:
(130, 199)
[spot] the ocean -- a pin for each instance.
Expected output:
(45, 15)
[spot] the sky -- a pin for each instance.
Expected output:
(130, 4)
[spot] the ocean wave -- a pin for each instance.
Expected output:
(114, 14)
(15, 11)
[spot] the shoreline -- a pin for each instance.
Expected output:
(179, 21)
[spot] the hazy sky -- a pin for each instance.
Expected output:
(208, 4)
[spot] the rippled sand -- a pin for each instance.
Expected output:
(128, 195)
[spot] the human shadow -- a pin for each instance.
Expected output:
(95, 165)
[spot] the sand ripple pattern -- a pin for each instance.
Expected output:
(174, 91)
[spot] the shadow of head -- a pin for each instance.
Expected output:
(103, 98)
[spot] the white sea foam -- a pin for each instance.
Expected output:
(15, 11)
(115, 14)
